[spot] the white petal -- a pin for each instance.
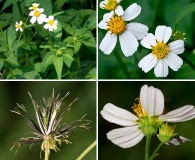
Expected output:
(107, 16)
(138, 30)
(119, 11)
(131, 12)
(21, 29)
(108, 43)
(41, 10)
(174, 61)
(51, 17)
(102, 4)
(31, 13)
(179, 115)
(33, 20)
(46, 26)
(41, 18)
(148, 62)
(21, 22)
(152, 100)
(177, 47)
(163, 33)
(126, 138)
(17, 29)
(118, 115)
(103, 25)
(177, 140)
(128, 43)
(149, 41)
(161, 68)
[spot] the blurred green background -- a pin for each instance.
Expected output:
(13, 127)
(154, 13)
(123, 94)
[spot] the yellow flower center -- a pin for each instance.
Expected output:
(34, 7)
(160, 50)
(37, 13)
(111, 5)
(18, 26)
(138, 109)
(50, 22)
(117, 25)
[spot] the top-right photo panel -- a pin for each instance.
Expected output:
(146, 39)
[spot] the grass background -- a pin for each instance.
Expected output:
(123, 94)
(154, 13)
(13, 127)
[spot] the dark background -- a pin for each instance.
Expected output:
(123, 94)
(13, 127)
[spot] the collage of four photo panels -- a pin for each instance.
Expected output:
(97, 79)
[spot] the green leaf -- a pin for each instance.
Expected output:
(32, 75)
(16, 13)
(60, 3)
(68, 39)
(68, 28)
(91, 74)
(1, 63)
(58, 64)
(185, 11)
(57, 34)
(91, 21)
(17, 44)
(6, 4)
(77, 46)
(46, 46)
(88, 40)
(68, 59)
(12, 60)
(28, 3)
(47, 59)
(10, 34)
(47, 6)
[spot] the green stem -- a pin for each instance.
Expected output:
(23, 31)
(87, 150)
(147, 147)
(4, 41)
(79, 63)
(155, 152)
(122, 65)
(11, 72)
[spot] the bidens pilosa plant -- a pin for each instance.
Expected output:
(148, 120)
(44, 39)
(47, 129)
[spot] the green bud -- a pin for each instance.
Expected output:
(149, 125)
(166, 133)
(179, 35)
(58, 52)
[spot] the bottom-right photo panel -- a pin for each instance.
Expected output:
(151, 120)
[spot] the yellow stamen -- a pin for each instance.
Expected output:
(37, 13)
(138, 109)
(111, 5)
(160, 50)
(117, 25)
(50, 22)
(34, 7)
(18, 26)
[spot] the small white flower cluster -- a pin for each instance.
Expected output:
(37, 15)
(162, 55)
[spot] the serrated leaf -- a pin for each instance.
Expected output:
(47, 59)
(12, 60)
(91, 21)
(1, 63)
(185, 11)
(10, 34)
(58, 64)
(47, 6)
(68, 59)
(77, 46)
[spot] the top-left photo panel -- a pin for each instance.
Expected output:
(48, 39)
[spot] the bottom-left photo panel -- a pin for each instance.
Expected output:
(48, 120)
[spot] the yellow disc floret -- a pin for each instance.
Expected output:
(138, 109)
(111, 5)
(117, 25)
(50, 22)
(160, 50)
(37, 13)
(18, 26)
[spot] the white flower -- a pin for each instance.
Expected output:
(19, 26)
(112, 5)
(34, 6)
(128, 33)
(37, 16)
(51, 23)
(151, 105)
(162, 55)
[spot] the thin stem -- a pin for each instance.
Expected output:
(79, 63)
(87, 150)
(147, 147)
(122, 65)
(23, 30)
(11, 72)
(155, 152)
(47, 155)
